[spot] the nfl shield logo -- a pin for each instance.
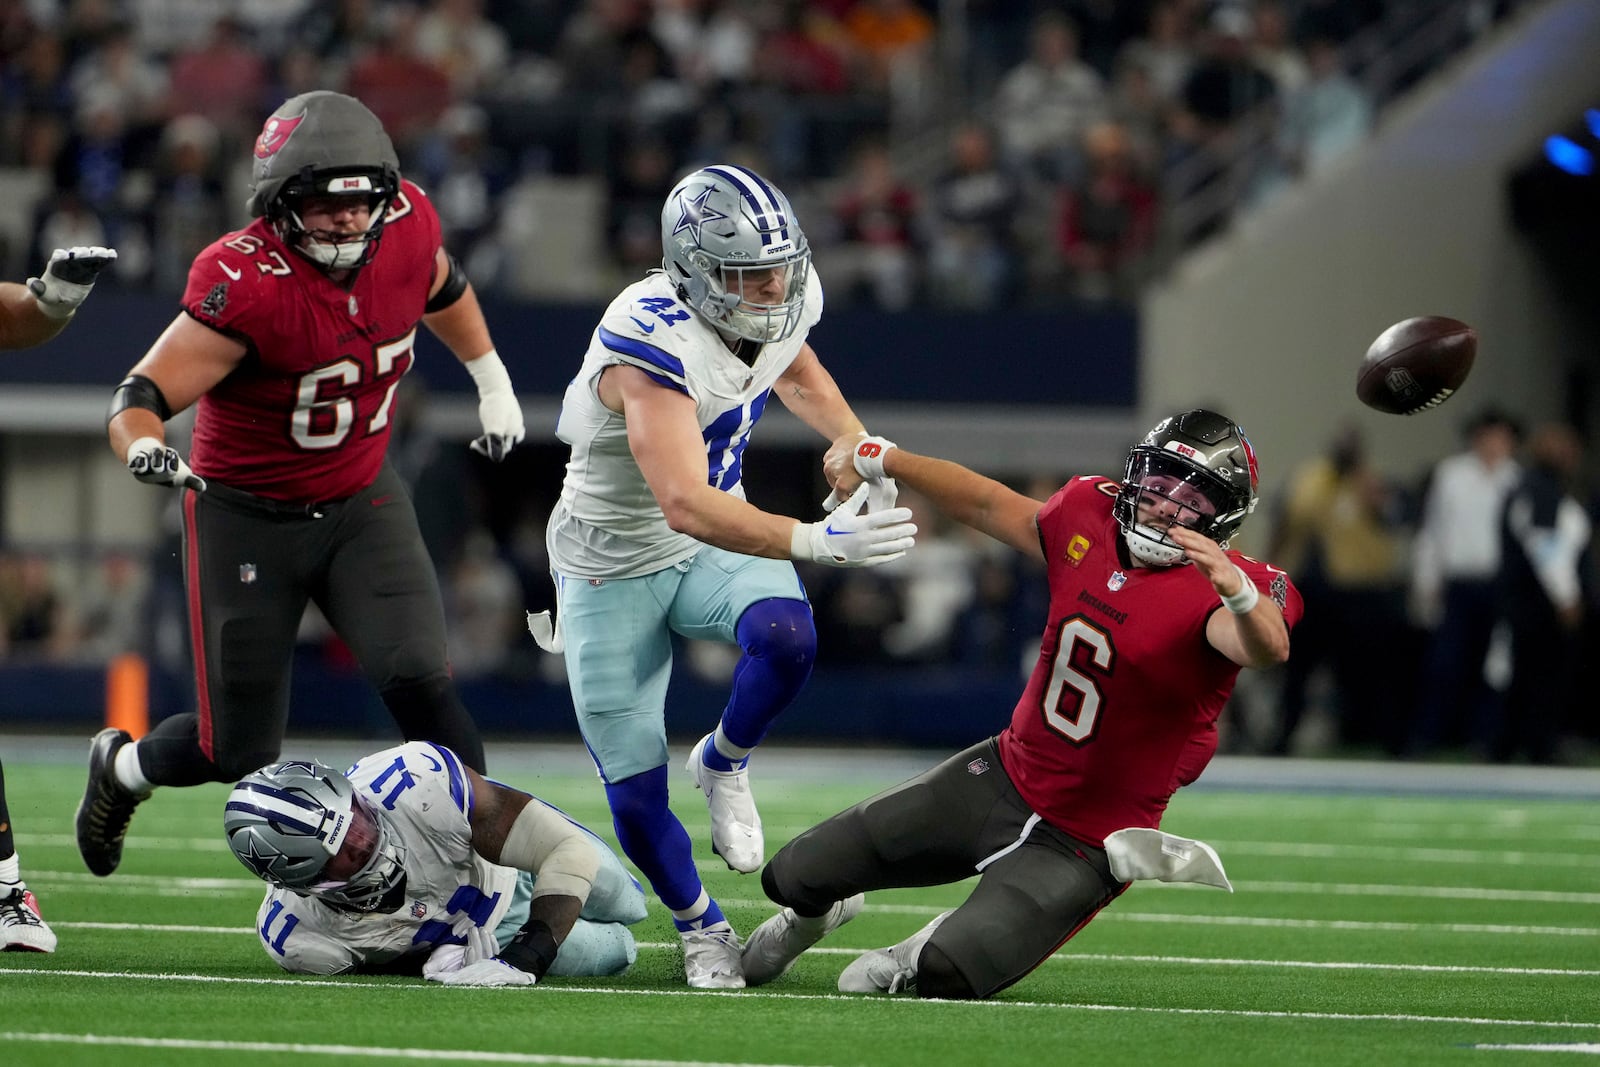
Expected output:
(418, 909)
(247, 573)
(978, 766)
(1116, 581)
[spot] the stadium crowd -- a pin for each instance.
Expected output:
(124, 121)
(921, 170)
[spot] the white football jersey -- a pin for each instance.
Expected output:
(607, 523)
(423, 793)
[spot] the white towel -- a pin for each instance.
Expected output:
(1141, 852)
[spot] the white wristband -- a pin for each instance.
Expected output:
(489, 374)
(1244, 601)
(868, 458)
(800, 542)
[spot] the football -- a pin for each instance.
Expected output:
(1416, 364)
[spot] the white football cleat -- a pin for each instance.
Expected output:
(21, 927)
(773, 947)
(892, 969)
(735, 825)
(711, 957)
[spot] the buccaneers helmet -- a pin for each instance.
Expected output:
(1193, 457)
(324, 143)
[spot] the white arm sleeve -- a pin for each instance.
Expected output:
(554, 849)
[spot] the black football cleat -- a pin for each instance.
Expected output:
(103, 814)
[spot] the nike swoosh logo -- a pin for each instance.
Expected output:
(380, 501)
(831, 532)
(229, 271)
(647, 329)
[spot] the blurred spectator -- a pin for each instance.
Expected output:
(1107, 219)
(936, 585)
(483, 608)
(1166, 52)
(1045, 103)
(894, 39)
(112, 615)
(405, 91)
(339, 31)
(1545, 538)
(1457, 557)
(187, 211)
(118, 73)
(975, 205)
(807, 53)
(633, 210)
(713, 42)
(876, 214)
(224, 79)
(1225, 84)
(1337, 539)
(465, 175)
(1326, 117)
(472, 51)
(1273, 50)
(31, 608)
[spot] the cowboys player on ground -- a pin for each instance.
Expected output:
(653, 535)
(411, 862)
(1150, 621)
(294, 334)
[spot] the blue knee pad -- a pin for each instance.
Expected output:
(779, 640)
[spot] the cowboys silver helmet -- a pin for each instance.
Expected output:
(1196, 457)
(330, 144)
(724, 228)
(301, 826)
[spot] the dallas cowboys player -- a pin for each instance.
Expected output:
(653, 534)
(411, 862)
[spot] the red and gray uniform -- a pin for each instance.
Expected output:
(301, 504)
(1120, 711)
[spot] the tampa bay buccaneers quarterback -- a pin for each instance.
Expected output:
(1151, 619)
(293, 336)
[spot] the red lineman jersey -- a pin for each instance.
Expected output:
(306, 416)
(1122, 705)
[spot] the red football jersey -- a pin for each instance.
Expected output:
(306, 416)
(1122, 706)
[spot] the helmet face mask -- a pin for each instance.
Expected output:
(734, 249)
(1197, 470)
(301, 826)
(322, 144)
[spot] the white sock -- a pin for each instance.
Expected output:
(733, 752)
(695, 910)
(10, 870)
(125, 769)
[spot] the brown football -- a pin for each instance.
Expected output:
(1416, 364)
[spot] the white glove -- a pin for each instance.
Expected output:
(153, 462)
(491, 972)
(499, 411)
(847, 538)
(68, 277)
(868, 462)
(443, 962)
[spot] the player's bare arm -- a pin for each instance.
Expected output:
(666, 443)
(1258, 638)
(32, 314)
(185, 363)
(970, 498)
(460, 326)
(807, 389)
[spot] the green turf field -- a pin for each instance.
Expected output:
(1365, 929)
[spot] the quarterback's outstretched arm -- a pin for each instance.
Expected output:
(964, 495)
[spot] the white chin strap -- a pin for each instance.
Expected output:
(1147, 545)
(334, 257)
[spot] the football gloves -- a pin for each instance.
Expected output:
(153, 462)
(68, 277)
(473, 964)
(868, 462)
(848, 538)
(499, 411)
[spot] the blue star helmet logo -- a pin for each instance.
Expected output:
(263, 862)
(696, 213)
